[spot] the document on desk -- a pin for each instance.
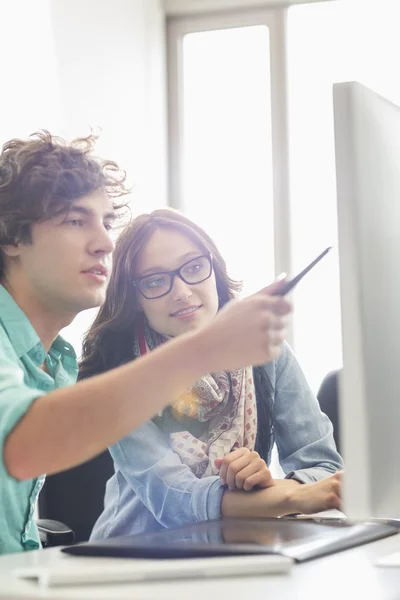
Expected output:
(74, 571)
(391, 560)
(326, 514)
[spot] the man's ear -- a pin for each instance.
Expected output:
(11, 250)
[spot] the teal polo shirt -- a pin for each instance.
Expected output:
(22, 381)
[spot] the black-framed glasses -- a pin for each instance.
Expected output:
(156, 285)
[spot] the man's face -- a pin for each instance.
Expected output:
(67, 266)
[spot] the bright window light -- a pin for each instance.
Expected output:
(227, 165)
(328, 42)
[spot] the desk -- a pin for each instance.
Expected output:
(342, 576)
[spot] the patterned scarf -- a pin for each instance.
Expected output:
(227, 402)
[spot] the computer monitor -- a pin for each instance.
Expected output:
(367, 139)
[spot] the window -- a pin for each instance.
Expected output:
(240, 121)
(227, 121)
(328, 42)
(315, 62)
(227, 155)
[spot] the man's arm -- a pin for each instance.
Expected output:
(71, 425)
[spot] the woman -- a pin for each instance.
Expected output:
(206, 455)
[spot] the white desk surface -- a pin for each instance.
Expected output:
(346, 575)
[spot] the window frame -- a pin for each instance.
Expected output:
(276, 21)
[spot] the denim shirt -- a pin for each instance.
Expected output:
(152, 489)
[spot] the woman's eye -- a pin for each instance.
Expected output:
(195, 268)
(152, 283)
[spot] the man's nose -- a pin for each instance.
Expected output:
(101, 242)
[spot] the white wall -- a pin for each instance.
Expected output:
(69, 65)
(110, 56)
(111, 69)
(190, 7)
(29, 91)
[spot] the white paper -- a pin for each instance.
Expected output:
(391, 560)
(79, 571)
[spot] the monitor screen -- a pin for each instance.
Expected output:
(367, 139)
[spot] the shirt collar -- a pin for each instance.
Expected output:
(19, 329)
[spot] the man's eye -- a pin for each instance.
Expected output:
(108, 226)
(75, 222)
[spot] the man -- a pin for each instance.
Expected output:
(57, 207)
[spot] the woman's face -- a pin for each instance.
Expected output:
(186, 306)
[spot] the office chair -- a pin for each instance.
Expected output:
(328, 399)
(71, 501)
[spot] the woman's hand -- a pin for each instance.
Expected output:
(309, 498)
(243, 469)
(284, 498)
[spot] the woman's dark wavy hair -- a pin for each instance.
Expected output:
(42, 176)
(109, 341)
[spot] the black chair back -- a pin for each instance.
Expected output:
(75, 497)
(329, 402)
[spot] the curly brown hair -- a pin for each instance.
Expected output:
(42, 176)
